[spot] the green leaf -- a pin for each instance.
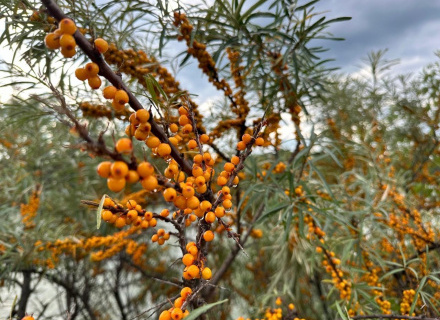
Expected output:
(199, 311)
(98, 212)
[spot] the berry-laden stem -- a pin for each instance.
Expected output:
(105, 71)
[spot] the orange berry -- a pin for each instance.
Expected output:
(202, 189)
(28, 318)
(152, 142)
(246, 138)
(170, 194)
(165, 213)
(67, 26)
(115, 184)
(229, 167)
(131, 204)
(188, 259)
(149, 183)
(219, 212)
(124, 145)
(81, 74)
(226, 190)
(241, 146)
(144, 224)
(198, 158)
(148, 215)
(174, 141)
(104, 169)
(183, 120)
(205, 205)
(193, 250)
(68, 53)
(197, 171)
(208, 236)
(165, 315)
(121, 97)
(180, 202)
(200, 181)
(109, 92)
(120, 222)
(192, 144)
(188, 128)
(235, 160)
(206, 273)
(183, 111)
(236, 180)
(101, 45)
(204, 138)
(52, 41)
(145, 169)
(193, 202)
(106, 215)
(188, 192)
(176, 314)
(178, 302)
(142, 115)
(117, 106)
(221, 181)
(160, 232)
(189, 245)
(174, 128)
(119, 169)
(154, 238)
(193, 271)
(67, 41)
(185, 292)
(227, 204)
(94, 82)
(132, 176)
(92, 69)
(166, 236)
(259, 141)
(164, 149)
(207, 156)
(132, 215)
(210, 217)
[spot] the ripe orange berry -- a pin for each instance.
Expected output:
(174, 128)
(183, 111)
(229, 167)
(131, 204)
(141, 133)
(246, 138)
(187, 128)
(185, 292)
(109, 92)
(193, 202)
(101, 45)
(202, 189)
(193, 271)
(174, 141)
(132, 176)
(145, 169)
(183, 120)
(115, 184)
(205, 205)
(67, 26)
(94, 82)
(165, 213)
(67, 41)
(193, 250)
(166, 236)
(154, 238)
(189, 245)
(210, 217)
(92, 69)
(235, 160)
(120, 222)
(208, 236)
(170, 194)
(188, 192)
(106, 215)
(160, 232)
(152, 142)
(124, 145)
(117, 106)
(104, 169)
(129, 130)
(192, 144)
(119, 169)
(28, 318)
(142, 115)
(198, 158)
(165, 315)
(180, 202)
(206, 273)
(52, 41)
(176, 314)
(108, 202)
(227, 204)
(226, 190)
(68, 53)
(241, 146)
(121, 97)
(178, 302)
(219, 212)
(221, 181)
(148, 215)
(149, 183)
(164, 149)
(200, 181)
(259, 141)
(188, 259)
(204, 138)
(132, 215)
(236, 180)
(207, 157)
(81, 74)
(197, 171)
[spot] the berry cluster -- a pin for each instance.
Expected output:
(63, 38)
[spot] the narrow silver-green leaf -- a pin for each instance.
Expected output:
(98, 212)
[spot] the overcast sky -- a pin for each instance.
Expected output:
(408, 28)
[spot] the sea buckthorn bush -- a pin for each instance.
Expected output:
(283, 192)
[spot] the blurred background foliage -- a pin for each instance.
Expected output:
(343, 200)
